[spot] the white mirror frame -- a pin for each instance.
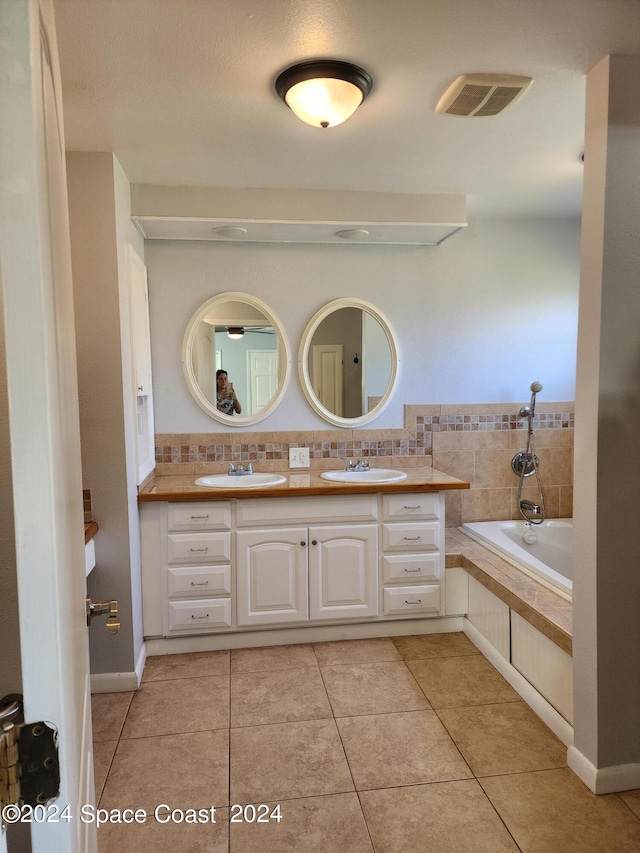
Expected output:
(284, 359)
(303, 362)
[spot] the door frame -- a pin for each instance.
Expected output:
(42, 408)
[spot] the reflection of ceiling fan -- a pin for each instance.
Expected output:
(261, 330)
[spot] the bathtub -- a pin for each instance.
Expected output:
(547, 560)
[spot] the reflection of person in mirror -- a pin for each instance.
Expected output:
(226, 399)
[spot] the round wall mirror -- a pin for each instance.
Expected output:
(348, 362)
(235, 359)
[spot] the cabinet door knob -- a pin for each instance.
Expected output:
(303, 543)
(314, 541)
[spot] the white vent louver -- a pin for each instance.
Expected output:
(482, 94)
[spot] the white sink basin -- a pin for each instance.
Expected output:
(373, 476)
(245, 481)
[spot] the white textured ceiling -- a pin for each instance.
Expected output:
(182, 92)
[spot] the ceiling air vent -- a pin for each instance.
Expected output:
(482, 94)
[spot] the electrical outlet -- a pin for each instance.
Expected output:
(298, 457)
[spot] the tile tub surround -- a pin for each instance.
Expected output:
(474, 442)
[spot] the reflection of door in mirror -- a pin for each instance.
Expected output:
(341, 329)
(262, 372)
(350, 362)
(326, 376)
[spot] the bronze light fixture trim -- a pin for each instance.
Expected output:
(324, 92)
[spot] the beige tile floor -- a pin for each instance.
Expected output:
(393, 746)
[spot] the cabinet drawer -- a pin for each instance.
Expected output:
(421, 505)
(199, 615)
(261, 511)
(411, 568)
(201, 515)
(411, 599)
(191, 581)
(423, 536)
(198, 547)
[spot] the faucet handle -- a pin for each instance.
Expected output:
(232, 468)
(249, 469)
(350, 465)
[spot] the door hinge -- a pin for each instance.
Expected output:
(29, 764)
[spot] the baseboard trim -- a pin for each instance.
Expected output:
(142, 659)
(538, 704)
(120, 682)
(314, 634)
(603, 780)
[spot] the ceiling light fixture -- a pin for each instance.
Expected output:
(231, 231)
(235, 332)
(324, 92)
(353, 234)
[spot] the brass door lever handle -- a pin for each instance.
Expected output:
(104, 608)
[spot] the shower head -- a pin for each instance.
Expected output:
(528, 411)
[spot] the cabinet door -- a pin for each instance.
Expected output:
(271, 576)
(141, 349)
(343, 571)
(140, 323)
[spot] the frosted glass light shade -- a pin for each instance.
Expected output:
(325, 102)
(324, 93)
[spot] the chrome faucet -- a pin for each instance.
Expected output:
(530, 507)
(239, 470)
(360, 465)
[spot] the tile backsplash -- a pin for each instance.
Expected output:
(87, 505)
(474, 442)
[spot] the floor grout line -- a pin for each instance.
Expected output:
(476, 778)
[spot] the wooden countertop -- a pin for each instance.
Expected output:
(297, 484)
(90, 530)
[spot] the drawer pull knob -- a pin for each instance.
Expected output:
(412, 538)
(413, 571)
(419, 601)
(198, 550)
(194, 517)
(202, 583)
(196, 618)
(419, 506)
(303, 543)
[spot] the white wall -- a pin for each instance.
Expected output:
(606, 601)
(476, 319)
(99, 212)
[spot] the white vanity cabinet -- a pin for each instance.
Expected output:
(413, 554)
(212, 566)
(306, 572)
(197, 572)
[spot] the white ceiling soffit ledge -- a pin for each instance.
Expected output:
(295, 216)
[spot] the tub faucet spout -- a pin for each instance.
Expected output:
(530, 507)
